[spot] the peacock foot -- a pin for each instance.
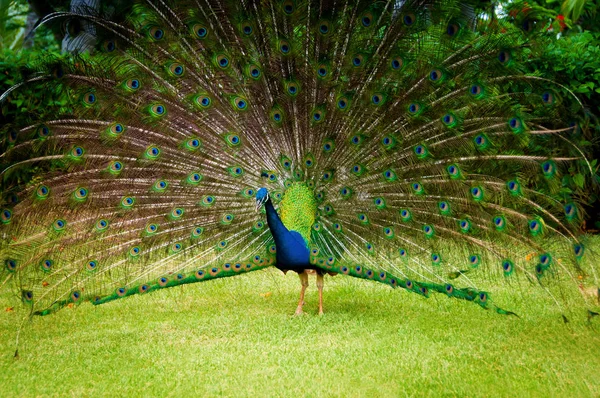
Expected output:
(299, 308)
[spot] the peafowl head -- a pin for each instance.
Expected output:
(262, 195)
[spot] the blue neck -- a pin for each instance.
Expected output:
(292, 252)
(275, 224)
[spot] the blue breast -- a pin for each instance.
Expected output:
(292, 251)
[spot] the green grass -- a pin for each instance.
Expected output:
(237, 337)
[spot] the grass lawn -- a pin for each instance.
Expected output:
(237, 337)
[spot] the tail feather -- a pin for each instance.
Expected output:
(176, 279)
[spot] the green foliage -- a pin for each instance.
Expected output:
(576, 59)
(572, 8)
(21, 103)
(12, 24)
(573, 60)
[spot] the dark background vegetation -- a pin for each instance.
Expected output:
(572, 57)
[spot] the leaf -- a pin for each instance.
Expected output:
(579, 180)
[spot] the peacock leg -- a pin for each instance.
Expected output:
(304, 281)
(320, 287)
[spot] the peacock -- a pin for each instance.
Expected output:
(411, 143)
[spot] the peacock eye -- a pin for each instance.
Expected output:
(504, 57)
(452, 29)
(200, 31)
(414, 109)
(12, 135)
(176, 69)
(222, 61)
(158, 110)
(110, 46)
(288, 7)
(476, 91)
(43, 131)
(435, 75)
(241, 103)
(156, 33)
